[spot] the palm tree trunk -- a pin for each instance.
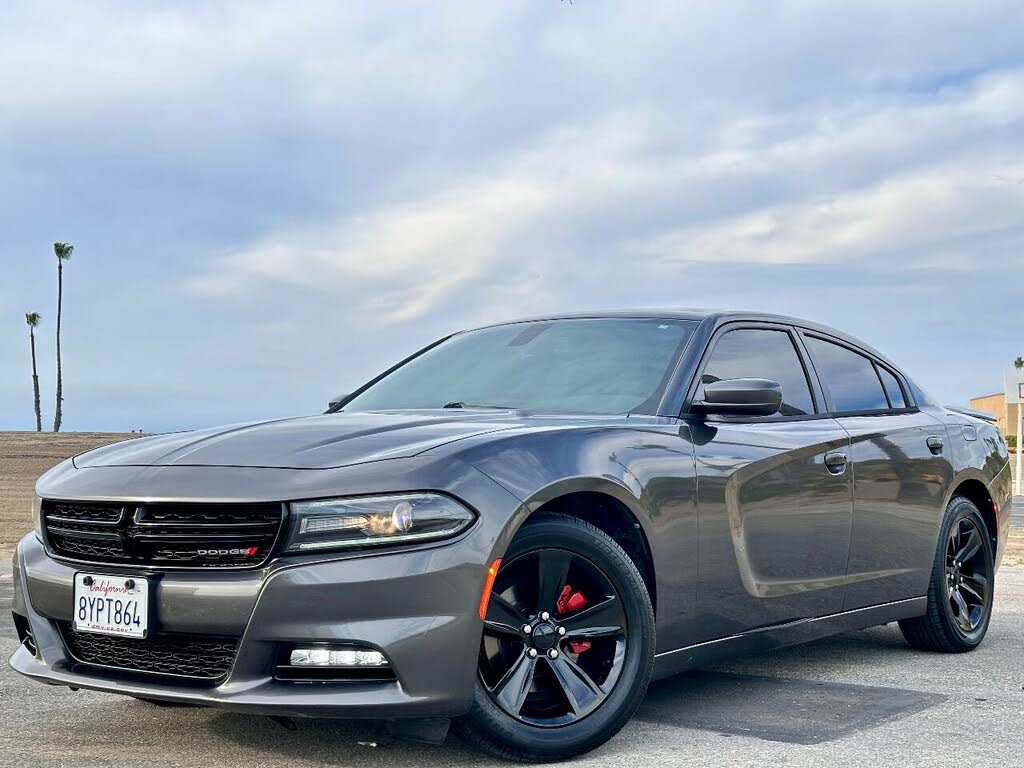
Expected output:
(35, 380)
(60, 388)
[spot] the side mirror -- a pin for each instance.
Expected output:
(337, 400)
(741, 397)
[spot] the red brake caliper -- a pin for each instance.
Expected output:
(570, 602)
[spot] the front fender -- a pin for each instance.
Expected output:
(651, 471)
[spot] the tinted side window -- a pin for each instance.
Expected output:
(762, 354)
(850, 377)
(892, 389)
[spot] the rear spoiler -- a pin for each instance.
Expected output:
(973, 412)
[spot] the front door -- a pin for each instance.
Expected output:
(774, 495)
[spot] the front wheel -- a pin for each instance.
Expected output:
(567, 647)
(961, 587)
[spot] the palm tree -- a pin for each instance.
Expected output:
(32, 318)
(1019, 363)
(63, 252)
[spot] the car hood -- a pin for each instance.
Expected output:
(312, 442)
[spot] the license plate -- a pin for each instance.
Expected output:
(111, 605)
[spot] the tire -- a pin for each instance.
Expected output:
(947, 627)
(573, 720)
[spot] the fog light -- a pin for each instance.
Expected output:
(336, 657)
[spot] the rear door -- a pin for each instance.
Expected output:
(774, 512)
(900, 473)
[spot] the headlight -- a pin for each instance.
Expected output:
(37, 516)
(375, 520)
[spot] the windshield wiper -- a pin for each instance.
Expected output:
(460, 404)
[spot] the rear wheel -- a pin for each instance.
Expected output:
(567, 647)
(960, 591)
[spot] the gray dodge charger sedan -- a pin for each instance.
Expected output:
(514, 529)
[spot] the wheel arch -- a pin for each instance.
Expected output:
(971, 485)
(607, 505)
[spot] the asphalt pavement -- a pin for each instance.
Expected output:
(860, 699)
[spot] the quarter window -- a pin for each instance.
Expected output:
(849, 377)
(892, 389)
(921, 398)
(761, 354)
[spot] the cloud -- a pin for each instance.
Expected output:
(415, 254)
(880, 177)
(931, 208)
(273, 201)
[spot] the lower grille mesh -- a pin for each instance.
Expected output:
(199, 657)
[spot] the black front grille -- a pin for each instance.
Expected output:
(171, 535)
(205, 658)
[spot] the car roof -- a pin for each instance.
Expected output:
(646, 312)
(712, 316)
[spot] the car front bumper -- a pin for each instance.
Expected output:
(418, 606)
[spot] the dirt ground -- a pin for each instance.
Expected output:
(24, 456)
(1015, 549)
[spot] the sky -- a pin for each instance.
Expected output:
(272, 202)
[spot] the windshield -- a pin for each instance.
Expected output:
(603, 365)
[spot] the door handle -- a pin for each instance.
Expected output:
(935, 444)
(835, 462)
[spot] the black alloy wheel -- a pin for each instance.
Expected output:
(543, 662)
(567, 644)
(968, 575)
(961, 586)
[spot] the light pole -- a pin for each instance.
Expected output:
(1020, 437)
(1015, 394)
